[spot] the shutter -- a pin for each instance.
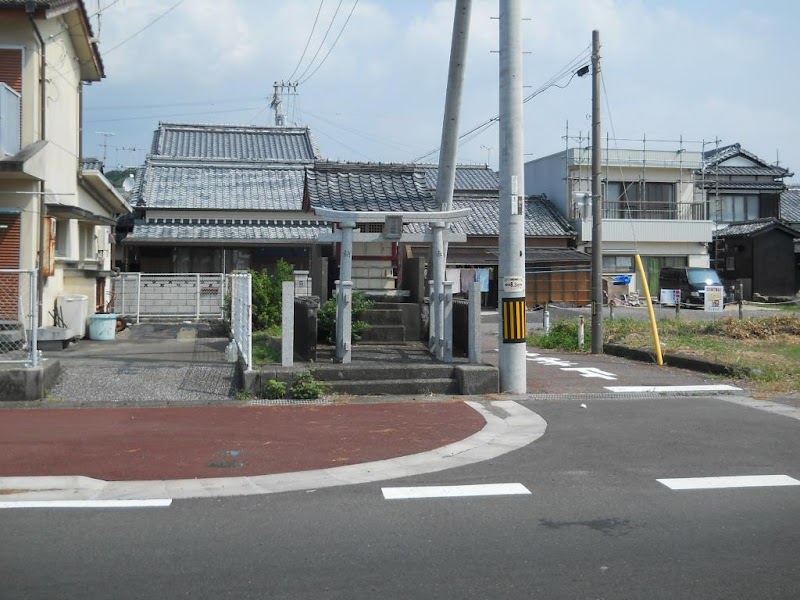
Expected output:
(11, 68)
(9, 259)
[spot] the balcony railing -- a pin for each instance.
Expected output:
(10, 121)
(681, 211)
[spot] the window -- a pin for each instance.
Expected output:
(62, 238)
(88, 243)
(639, 200)
(617, 264)
(728, 208)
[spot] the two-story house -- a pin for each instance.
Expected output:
(649, 206)
(57, 212)
(661, 204)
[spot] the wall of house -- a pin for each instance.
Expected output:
(773, 264)
(547, 176)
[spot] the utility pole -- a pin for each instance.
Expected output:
(446, 176)
(276, 104)
(597, 204)
(511, 276)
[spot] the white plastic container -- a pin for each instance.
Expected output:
(74, 310)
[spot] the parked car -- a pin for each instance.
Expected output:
(692, 282)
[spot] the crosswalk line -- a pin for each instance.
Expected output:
(454, 491)
(716, 483)
(152, 503)
(620, 389)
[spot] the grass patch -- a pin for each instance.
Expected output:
(267, 346)
(765, 350)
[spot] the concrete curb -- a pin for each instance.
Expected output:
(673, 360)
(509, 426)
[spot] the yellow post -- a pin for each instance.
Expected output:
(653, 324)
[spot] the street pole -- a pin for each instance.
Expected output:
(445, 180)
(597, 204)
(511, 276)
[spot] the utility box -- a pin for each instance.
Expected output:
(74, 309)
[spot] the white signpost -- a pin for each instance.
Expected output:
(714, 298)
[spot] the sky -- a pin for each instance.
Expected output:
(706, 72)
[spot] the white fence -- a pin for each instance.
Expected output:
(18, 317)
(241, 315)
(194, 295)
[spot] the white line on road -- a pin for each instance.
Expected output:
(714, 483)
(154, 503)
(672, 388)
(455, 491)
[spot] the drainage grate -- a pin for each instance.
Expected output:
(289, 402)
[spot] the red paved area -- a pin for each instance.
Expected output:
(198, 442)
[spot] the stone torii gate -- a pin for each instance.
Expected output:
(437, 236)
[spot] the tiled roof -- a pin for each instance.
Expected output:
(469, 178)
(218, 187)
(541, 219)
(36, 3)
(234, 142)
(261, 231)
(790, 205)
(711, 184)
(749, 228)
(368, 187)
(720, 155)
(541, 257)
(746, 171)
(91, 164)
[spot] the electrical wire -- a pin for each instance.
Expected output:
(171, 104)
(308, 41)
(150, 24)
(185, 114)
(322, 42)
(341, 31)
(552, 82)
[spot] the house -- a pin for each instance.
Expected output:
(218, 198)
(663, 205)
(57, 211)
(759, 255)
(740, 186)
(790, 213)
(650, 206)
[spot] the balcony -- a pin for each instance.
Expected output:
(650, 222)
(10, 121)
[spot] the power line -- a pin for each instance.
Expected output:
(341, 31)
(150, 24)
(171, 104)
(185, 114)
(308, 41)
(552, 82)
(322, 42)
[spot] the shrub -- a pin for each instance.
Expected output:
(564, 336)
(267, 295)
(274, 390)
(326, 324)
(305, 387)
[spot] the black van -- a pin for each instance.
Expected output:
(691, 281)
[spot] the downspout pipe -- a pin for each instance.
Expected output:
(30, 9)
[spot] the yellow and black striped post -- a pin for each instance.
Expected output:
(515, 329)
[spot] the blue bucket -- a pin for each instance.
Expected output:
(103, 327)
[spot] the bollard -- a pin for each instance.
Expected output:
(741, 301)
(581, 334)
(610, 311)
(546, 321)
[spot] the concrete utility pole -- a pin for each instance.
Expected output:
(445, 179)
(597, 204)
(513, 328)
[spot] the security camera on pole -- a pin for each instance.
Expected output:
(511, 276)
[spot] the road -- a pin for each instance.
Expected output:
(597, 523)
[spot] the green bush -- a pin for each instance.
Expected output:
(274, 390)
(305, 387)
(563, 336)
(326, 324)
(267, 293)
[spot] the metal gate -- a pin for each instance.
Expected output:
(184, 295)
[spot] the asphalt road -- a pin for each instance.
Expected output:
(596, 524)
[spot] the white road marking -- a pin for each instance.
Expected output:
(454, 491)
(591, 372)
(552, 361)
(673, 388)
(715, 483)
(154, 503)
